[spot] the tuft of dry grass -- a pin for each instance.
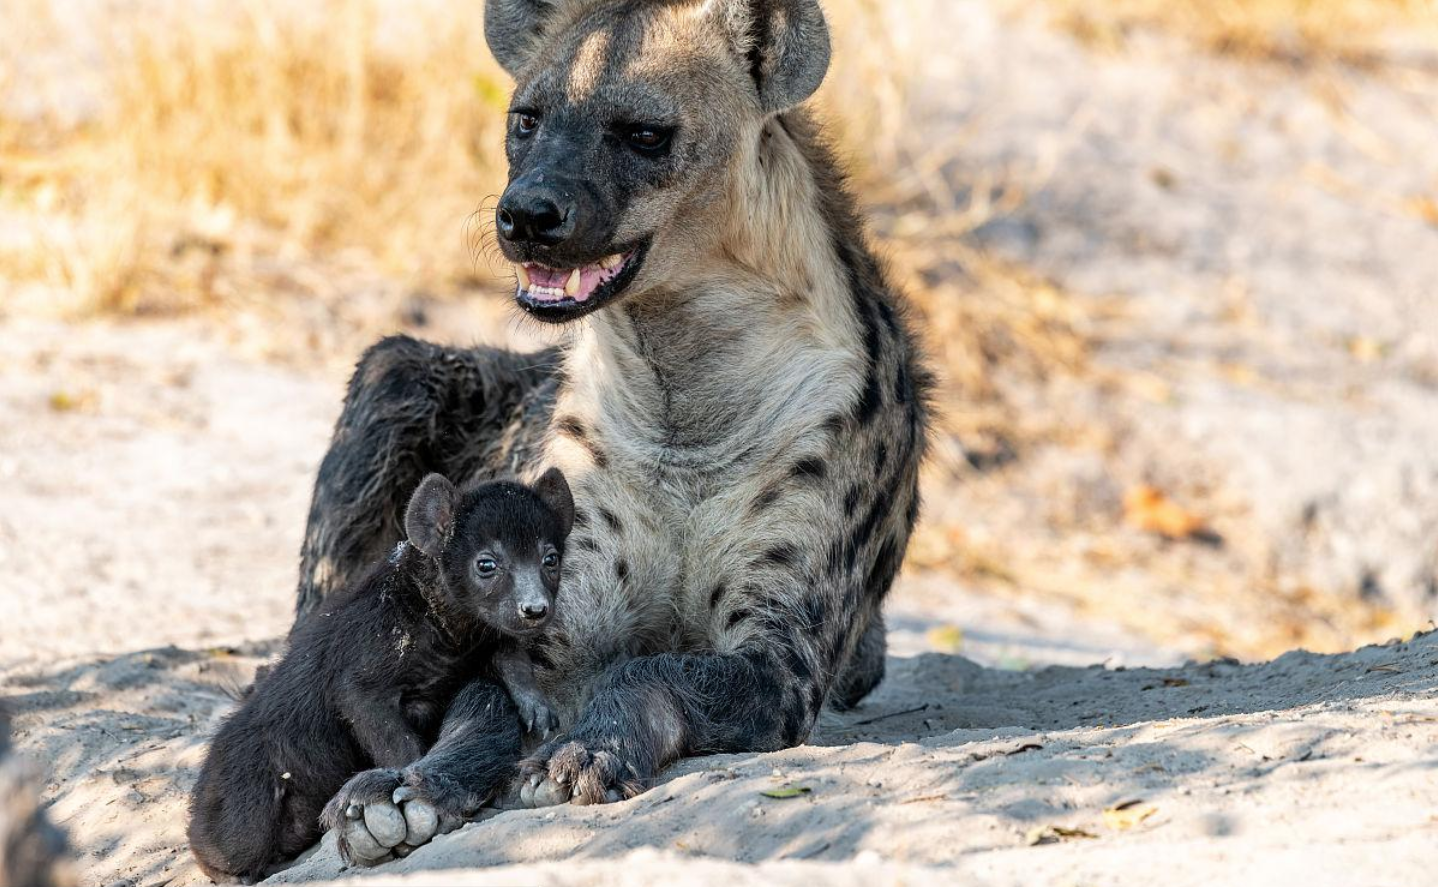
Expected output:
(1293, 31)
(349, 125)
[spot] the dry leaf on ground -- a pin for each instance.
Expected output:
(788, 791)
(1149, 509)
(1052, 834)
(1128, 814)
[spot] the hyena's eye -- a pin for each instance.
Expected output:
(525, 122)
(647, 139)
(551, 561)
(485, 566)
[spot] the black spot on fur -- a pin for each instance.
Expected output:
(881, 458)
(612, 519)
(812, 468)
(870, 399)
(795, 661)
(851, 499)
(581, 518)
(862, 280)
(865, 529)
(886, 311)
(716, 596)
(782, 555)
(816, 611)
(737, 617)
(836, 557)
(884, 569)
(572, 428)
(585, 543)
(621, 569)
(767, 497)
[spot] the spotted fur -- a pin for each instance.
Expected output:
(742, 428)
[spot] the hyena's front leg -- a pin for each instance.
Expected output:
(412, 408)
(648, 712)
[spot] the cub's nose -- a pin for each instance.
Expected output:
(534, 215)
(534, 612)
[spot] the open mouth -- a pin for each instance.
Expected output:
(561, 294)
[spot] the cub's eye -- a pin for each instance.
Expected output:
(648, 139)
(551, 560)
(485, 566)
(525, 122)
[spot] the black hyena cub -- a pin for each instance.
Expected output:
(366, 682)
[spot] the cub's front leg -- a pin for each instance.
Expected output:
(516, 671)
(376, 718)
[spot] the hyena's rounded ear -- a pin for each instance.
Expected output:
(553, 489)
(785, 44)
(512, 29)
(430, 517)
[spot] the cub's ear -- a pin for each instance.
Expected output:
(785, 43)
(512, 29)
(554, 490)
(430, 517)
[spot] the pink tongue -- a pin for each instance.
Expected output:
(590, 277)
(547, 276)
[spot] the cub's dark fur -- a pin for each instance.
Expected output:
(368, 681)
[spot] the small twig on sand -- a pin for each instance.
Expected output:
(893, 714)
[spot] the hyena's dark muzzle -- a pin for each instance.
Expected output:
(556, 221)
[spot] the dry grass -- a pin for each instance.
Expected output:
(259, 130)
(1294, 31)
(357, 127)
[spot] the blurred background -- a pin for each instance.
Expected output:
(1176, 262)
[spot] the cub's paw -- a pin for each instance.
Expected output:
(535, 715)
(574, 771)
(381, 814)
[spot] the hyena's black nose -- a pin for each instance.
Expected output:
(534, 611)
(534, 215)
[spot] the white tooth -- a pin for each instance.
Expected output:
(571, 286)
(609, 262)
(523, 276)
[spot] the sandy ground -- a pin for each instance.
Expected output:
(1278, 301)
(997, 766)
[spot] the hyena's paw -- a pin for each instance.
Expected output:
(571, 771)
(382, 814)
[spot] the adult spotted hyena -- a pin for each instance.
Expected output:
(741, 415)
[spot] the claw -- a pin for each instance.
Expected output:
(402, 794)
(612, 797)
(354, 811)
